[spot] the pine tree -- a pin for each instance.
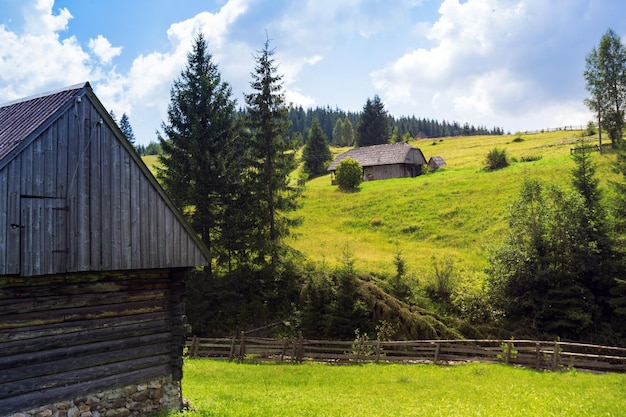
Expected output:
(598, 254)
(199, 159)
(373, 126)
(316, 152)
(272, 159)
(127, 129)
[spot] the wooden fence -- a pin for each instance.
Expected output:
(542, 355)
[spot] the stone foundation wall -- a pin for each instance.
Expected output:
(130, 401)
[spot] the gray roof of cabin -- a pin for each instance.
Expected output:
(436, 161)
(385, 154)
(20, 118)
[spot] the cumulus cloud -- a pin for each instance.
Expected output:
(103, 49)
(483, 62)
(39, 59)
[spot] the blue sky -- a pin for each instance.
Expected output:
(515, 64)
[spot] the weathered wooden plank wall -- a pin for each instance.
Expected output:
(116, 217)
(74, 334)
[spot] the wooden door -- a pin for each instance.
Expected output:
(43, 231)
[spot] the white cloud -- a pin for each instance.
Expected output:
(480, 65)
(38, 59)
(43, 22)
(103, 49)
(151, 75)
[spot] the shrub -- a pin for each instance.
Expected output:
(530, 158)
(497, 158)
(591, 129)
(349, 175)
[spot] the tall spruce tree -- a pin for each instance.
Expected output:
(373, 128)
(316, 152)
(199, 163)
(127, 129)
(272, 159)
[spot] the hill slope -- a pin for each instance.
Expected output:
(458, 211)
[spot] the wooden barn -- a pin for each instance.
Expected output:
(93, 260)
(380, 162)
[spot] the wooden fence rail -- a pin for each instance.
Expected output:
(543, 355)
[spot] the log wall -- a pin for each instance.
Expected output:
(69, 335)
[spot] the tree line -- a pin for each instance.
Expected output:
(337, 124)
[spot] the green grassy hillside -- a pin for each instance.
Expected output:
(459, 210)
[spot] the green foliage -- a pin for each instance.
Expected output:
(605, 73)
(343, 132)
(508, 351)
(530, 158)
(442, 280)
(198, 163)
(349, 175)
(373, 128)
(271, 159)
(127, 129)
(591, 129)
(246, 299)
(497, 158)
(316, 152)
(544, 277)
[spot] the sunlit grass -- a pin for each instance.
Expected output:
(459, 210)
(230, 389)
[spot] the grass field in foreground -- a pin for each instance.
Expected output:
(230, 389)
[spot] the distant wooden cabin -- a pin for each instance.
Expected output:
(93, 259)
(380, 162)
(436, 162)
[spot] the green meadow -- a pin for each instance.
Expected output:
(228, 389)
(459, 211)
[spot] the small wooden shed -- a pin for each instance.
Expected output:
(93, 260)
(436, 162)
(379, 162)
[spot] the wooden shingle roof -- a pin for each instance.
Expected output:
(20, 118)
(436, 162)
(385, 154)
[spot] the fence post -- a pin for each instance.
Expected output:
(193, 352)
(284, 351)
(232, 348)
(538, 355)
(555, 356)
(300, 347)
(437, 347)
(242, 346)
(377, 350)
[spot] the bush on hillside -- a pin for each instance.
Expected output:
(497, 158)
(349, 175)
